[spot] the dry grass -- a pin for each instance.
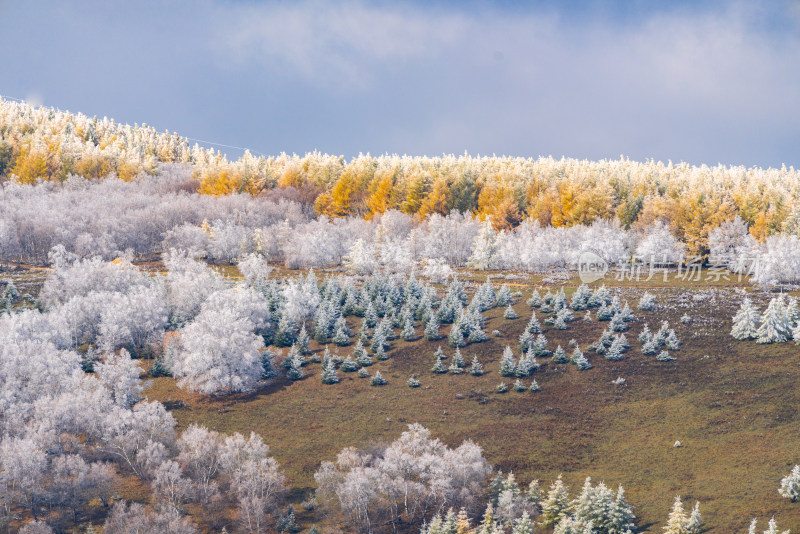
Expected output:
(731, 404)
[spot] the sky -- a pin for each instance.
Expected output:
(701, 82)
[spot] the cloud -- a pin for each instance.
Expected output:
(334, 43)
(714, 83)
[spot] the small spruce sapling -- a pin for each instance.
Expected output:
(476, 369)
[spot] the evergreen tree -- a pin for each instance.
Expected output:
(618, 323)
(695, 522)
(507, 365)
(268, 367)
(510, 313)
(380, 353)
(647, 302)
(519, 386)
(476, 369)
(370, 315)
(408, 329)
(774, 325)
(363, 373)
(533, 325)
(329, 375)
(534, 386)
(534, 493)
(456, 337)
(793, 312)
(432, 329)
(556, 505)
(620, 518)
(524, 525)
(580, 361)
(458, 359)
(535, 301)
(526, 340)
(341, 333)
(295, 370)
(413, 382)
(501, 387)
(645, 335)
(302, 342)
(676, 522)
(504, 296)
(559, 356)
(540, 347)
(348, 365)
(746, 321)
(455, 369)
(377, 380)
(790, 484)
(439, 367)
(287, 521)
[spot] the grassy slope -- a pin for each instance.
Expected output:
(731, 404)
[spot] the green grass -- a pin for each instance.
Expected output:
(731, 404)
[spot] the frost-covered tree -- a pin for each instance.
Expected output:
(676, 522)
(559, 356)
(219, 354)
(556, 504)
(694, 525)
(432, 329)
(476, 369)
(790, 484)
(774, 324)
(329, 375)
(508, 366)
(120, 374)
(509, 313)
(746, 321)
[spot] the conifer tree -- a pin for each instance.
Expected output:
(408, 329)
(370, 315)
(295, 370)
(580, 360)
(535, 301)
(413, 382)
(341, 334)
(746, 321)
(432, 329)
(439, 367)
(377, 380)
(329, 375)
(534, 493)
(526, 340)
(302, 341)
(618, 323)
(556, 505)
(519, 386)
(456, 337)
(645, 335)
(458, 359)
(647, 302)
(534, 386)
(533, 325)
(676, 522)
(524, 525)
(476, 369)
(790, 484)
(510, 313)
(507, 365)
(559, 356)
(774, 325)
(504, 296)
(695, 522)
(348, 365)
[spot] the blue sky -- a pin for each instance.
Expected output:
(683, 81)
